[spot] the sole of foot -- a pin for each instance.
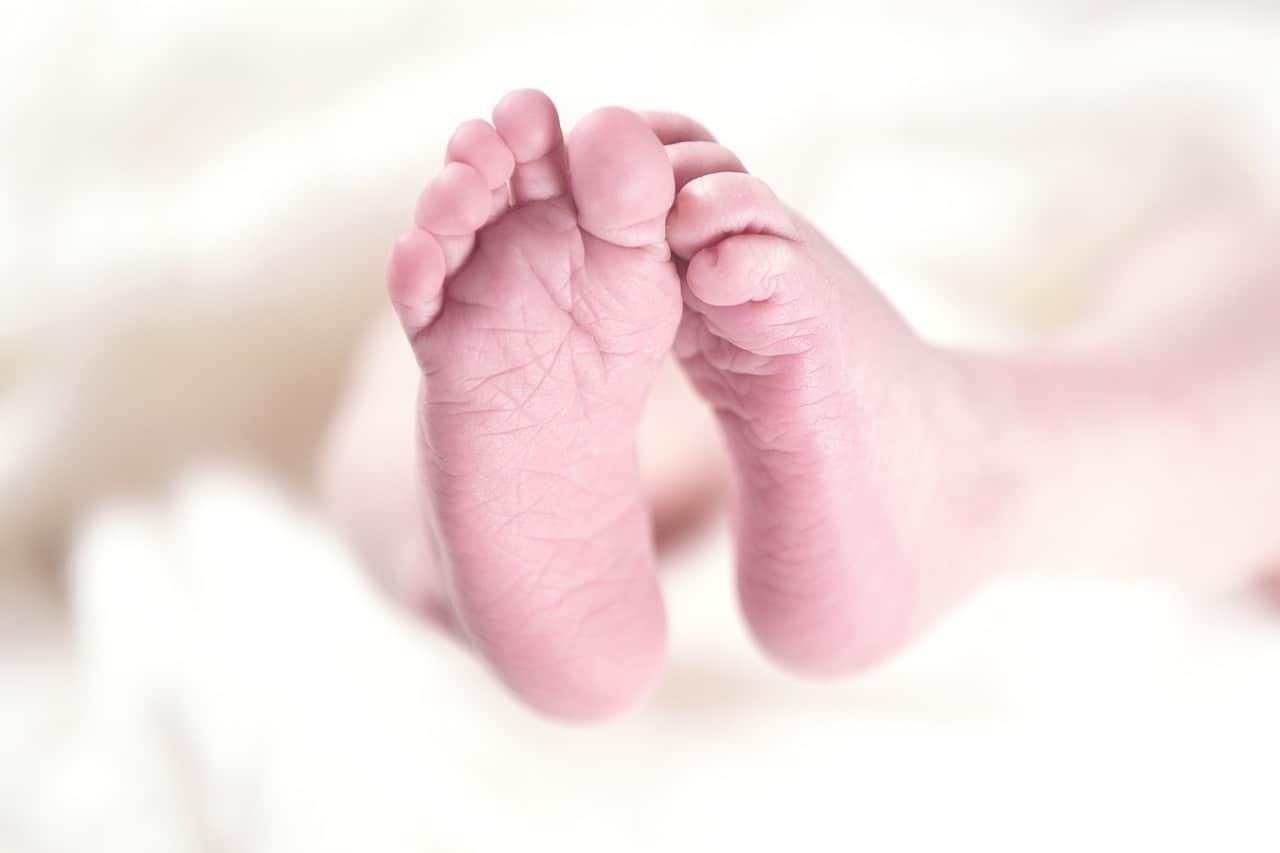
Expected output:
(865, 503)
(539, 296)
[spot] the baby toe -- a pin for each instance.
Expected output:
(713, 207)
(478, 145)
(457, 202)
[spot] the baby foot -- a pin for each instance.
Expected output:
(862, 510)
(539, 296)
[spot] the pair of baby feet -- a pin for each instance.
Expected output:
(544, 283)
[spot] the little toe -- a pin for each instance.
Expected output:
(715, 206)
(415, 278)
(528, 123)
(478, 145)
(621, 178)
(456, 203)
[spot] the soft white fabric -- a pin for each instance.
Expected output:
(195, 203)
(244, 687)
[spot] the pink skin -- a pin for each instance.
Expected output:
(1269, 587)
(540, 320)
(538, 341)
(1147, 434)
(370, 487)
(838, 419)
(878, 478)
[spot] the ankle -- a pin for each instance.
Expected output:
(988, 455)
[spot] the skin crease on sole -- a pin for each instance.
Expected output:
(368, 484)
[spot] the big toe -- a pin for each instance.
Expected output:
(621, 178)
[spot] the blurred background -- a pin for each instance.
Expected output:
(196, 201)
